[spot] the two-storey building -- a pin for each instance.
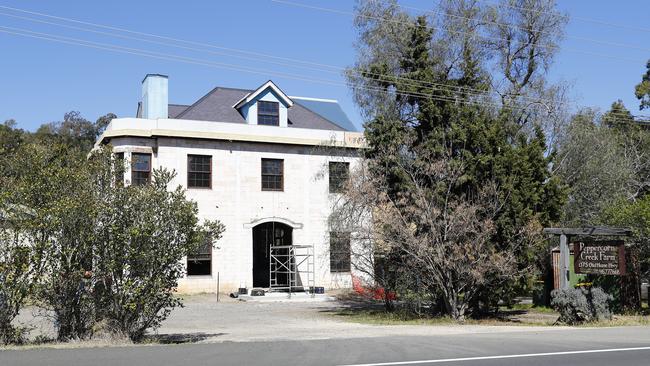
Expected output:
(267, 165)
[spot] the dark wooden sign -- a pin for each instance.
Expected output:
(599, 257)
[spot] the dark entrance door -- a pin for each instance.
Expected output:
(265, 235)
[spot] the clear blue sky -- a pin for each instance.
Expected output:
(41, 80)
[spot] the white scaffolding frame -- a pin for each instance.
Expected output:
(291, 261)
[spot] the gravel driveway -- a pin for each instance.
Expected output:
(204, 320)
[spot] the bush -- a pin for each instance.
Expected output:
(100, 256)
(15, 278)
(142, 234)
(580, 305)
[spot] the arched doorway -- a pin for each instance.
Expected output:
(264, 235)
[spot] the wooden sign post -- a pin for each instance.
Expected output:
(589, 232)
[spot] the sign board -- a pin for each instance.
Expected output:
(599, 257)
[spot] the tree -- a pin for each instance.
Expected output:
(440, 243)
(87, 248)
(16, 269)
(634, 215)
(642, 90)
(603, 159)
(593, 165)
(75, 130)
(428, 95)
(141, 236)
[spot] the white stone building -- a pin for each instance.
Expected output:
(265, 164)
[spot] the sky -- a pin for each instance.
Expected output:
(40, 80)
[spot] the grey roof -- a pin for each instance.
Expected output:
(217, 105)
(329, 109)
(175, 109)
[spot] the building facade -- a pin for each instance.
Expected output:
(267, 165)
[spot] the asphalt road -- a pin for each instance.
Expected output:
(594, 347)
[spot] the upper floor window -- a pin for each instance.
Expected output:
(339, 175)
(140, 168)
(199, 171)
(268, 113)
(340, 252)
(272, 174)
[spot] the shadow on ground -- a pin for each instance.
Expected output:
(359, 309)
(181, 338)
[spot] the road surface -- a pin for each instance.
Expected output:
(589, 347)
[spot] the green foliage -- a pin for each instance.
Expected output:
(603, 161)
(15, 272)
(84, 246)
(580, 305)
(142, 235)
(636, 216)
(74, 130)
(642, 90)
(414, 122)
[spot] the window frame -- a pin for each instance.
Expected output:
(281, 175)
(201, 172)
(119, 159)
(337, 265)
(133, 170)
(338, 185)
(275, 113)
(196, 257)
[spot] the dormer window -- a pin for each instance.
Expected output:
(268, 113)
(266, 105)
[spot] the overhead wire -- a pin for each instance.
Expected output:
(365, 75)
(579, 38)
(379, 77)
(153, 54)
(164, 56)
(548, 47)
(583, 19)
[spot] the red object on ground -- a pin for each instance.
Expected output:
(375, 293)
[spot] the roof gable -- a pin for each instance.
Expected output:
(268, 85)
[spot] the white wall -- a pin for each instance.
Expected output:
(236, 199)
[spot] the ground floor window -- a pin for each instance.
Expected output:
(339, 251)
(199, 263)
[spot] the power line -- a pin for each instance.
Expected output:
(163, 56)
(584, 19)
(381, 77)
(551, 47)
(321, 66)
(585, 39)
(341, 69)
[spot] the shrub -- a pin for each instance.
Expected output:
(580, 305)
(142, 235)
(16, 272)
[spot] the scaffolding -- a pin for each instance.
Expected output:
(287, 263)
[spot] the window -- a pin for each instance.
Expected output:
(339, 252)
(272, 174)
(268, 113)
(199, 263)
(339, 174)
(119, 168)
(140, 169)
(199, 171)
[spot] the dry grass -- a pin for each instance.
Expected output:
(518, 315)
